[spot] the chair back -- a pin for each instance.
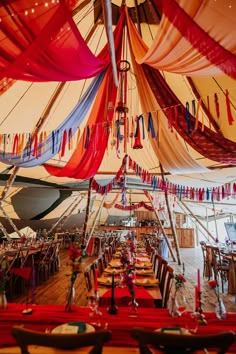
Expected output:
(167, 286)
(170, 343)
(25, 337)
(88, 278)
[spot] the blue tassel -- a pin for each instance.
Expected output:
(150, 125)
(207, 194)
(53, 141)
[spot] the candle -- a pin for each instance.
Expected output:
(96, 280)
(196, 298)
(198, 280)
(113, 290)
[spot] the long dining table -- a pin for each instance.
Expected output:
(47, 317)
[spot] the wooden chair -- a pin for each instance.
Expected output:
(167, 286)
(88, 278)
(25, 337)
(170, 343)
(219, 266)
(204, 255)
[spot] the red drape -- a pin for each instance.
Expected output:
(42, 43)
(85, 162)
(208, 143)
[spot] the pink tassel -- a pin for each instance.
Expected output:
(217, 106)
(63, 145)
(230, 117)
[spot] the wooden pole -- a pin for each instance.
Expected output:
(10, 221)
(64, 216)
(95, 220)
(194, 216)
(87, 213)
(217, 235)
(4, 232)
(171, 220)
(162, 227)
(33, 134)
(194, 221)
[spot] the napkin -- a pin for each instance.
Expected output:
(81, 326)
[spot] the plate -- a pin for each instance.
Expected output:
(68, 328)
(111, 271)
(115, 264)
(146, 282)
(143, 265)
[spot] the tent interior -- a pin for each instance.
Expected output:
(122, 98)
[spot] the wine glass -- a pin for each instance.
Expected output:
(93, 304)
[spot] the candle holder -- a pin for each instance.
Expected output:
(199, 311)
(113, 309)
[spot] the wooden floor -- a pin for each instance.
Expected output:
(54, 290)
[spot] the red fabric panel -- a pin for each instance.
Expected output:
(122, 297)
(208, 143)
(84, 163)
(42, 43)
(50, 316)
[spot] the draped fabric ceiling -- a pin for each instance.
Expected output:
(182, 75)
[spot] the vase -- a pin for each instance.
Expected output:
(3, 300)
(220, 310)
(70, 298)
(174, 307)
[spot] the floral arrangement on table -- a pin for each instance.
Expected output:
(129, 277)
(76, 257)
(173, 304)
(179, 281)
(220, 307)
(124, 258)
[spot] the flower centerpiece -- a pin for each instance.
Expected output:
(220, 307)
(179, 281)
(124, 258)
(75, 259)
(129, 277)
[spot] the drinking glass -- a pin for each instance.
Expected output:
(191, 322)
(93, 304)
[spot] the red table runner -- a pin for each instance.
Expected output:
(50, 316)
(122, 297)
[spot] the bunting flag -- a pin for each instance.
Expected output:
(134, 207)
